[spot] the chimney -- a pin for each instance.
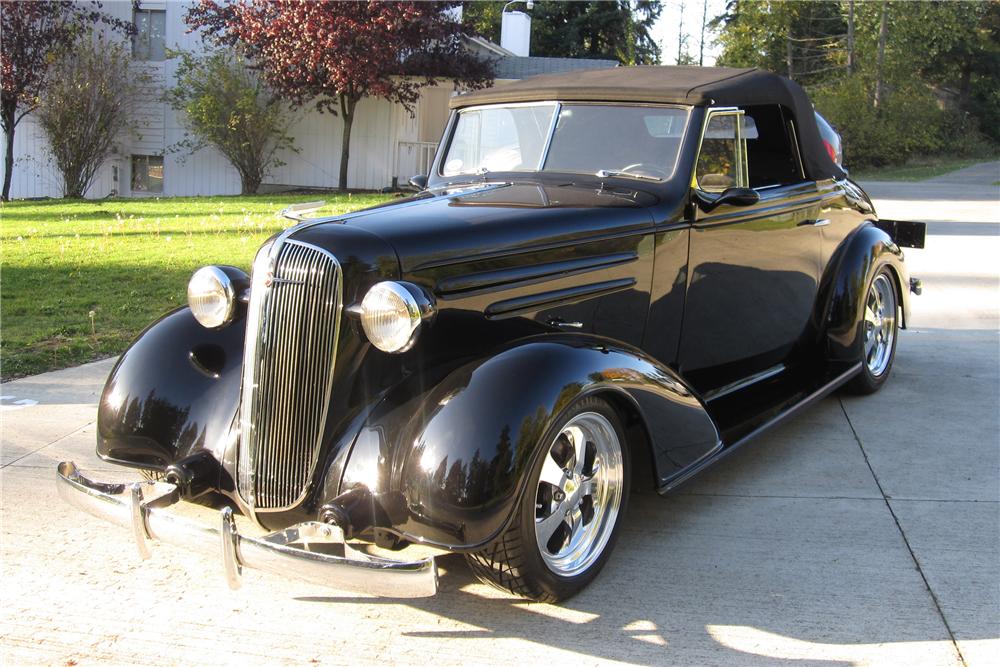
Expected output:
(515, 32)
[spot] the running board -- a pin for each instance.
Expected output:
(817, 395)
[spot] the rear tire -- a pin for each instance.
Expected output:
(567, 521)
(877, 333)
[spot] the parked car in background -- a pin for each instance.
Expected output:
(609, 276)
(831, 140)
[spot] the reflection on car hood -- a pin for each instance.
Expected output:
(458, 223)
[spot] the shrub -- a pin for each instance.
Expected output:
(911, 124)
(88, 103)
(225, 105)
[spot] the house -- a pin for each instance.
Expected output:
(388, 145)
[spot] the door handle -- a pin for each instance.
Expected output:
(561, 324)
(822, 222)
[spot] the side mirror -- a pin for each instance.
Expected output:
(731, 196)
(418, 182)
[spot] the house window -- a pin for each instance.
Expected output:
(147, 173)
(150, 40)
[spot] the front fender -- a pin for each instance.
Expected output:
(448, 457)
(173, 392)
(857, 259)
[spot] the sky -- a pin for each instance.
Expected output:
(666, 29)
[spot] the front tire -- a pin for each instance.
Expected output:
(879, 329)
(568, 519)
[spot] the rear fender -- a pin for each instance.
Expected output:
(448, 457)
(862, 253)
(173, 393)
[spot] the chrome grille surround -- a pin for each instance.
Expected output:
(293, 327)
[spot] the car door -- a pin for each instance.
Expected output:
(754, 268)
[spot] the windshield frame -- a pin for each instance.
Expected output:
(451, 130)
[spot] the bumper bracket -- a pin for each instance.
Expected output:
(303, 551)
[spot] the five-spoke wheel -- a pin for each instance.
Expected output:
(579, 493)
(568, 518)
(880, 324)
(876, 342)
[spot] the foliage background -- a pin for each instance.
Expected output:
(614, 30)
(940, 72)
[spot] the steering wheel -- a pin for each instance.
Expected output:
(646, 170)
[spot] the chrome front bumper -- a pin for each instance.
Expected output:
(141, 507)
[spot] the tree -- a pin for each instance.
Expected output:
(618, 30)
(799, 38)
(879, 95)
(333, 54)
(227, 106)
(897, 84)
(701, 40)
(34, 33)
(683, 57)
(90, 95)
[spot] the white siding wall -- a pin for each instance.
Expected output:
(378, 127)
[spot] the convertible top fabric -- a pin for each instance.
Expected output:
(697, 86)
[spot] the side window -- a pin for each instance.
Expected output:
(722, 157)
(772, 155)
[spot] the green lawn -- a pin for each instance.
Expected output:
(80, 279)
(916, 170)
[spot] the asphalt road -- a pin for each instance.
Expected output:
(863, 532)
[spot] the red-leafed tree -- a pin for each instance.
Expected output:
(333, 54)
(33, 33)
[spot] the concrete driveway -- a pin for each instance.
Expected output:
(864, 532)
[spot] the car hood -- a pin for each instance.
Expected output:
(457, 224)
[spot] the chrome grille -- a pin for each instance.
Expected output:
(293, 322)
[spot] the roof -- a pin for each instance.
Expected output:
(485, 46)
(689, 85)
(519, 67)
(678, 85)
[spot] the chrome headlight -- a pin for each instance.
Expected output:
(391, 314)
(212, 297)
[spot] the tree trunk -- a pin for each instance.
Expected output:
(250, 183)
(788, 54)
(850, 36)
(701, 41)
(680, 36)
(965, 85)
(9, 123)
(879, 99)
(347, 105)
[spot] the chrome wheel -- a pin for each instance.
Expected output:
(879, 325)
(579, 494)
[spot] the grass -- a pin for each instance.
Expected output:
(915, 170)
(81, 279)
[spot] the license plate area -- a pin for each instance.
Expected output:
(905, 233)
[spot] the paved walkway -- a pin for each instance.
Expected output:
(863, 532)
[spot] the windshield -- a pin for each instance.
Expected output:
(638, 141)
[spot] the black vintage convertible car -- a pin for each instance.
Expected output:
(611, 275)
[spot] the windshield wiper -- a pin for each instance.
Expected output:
(604, 173)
